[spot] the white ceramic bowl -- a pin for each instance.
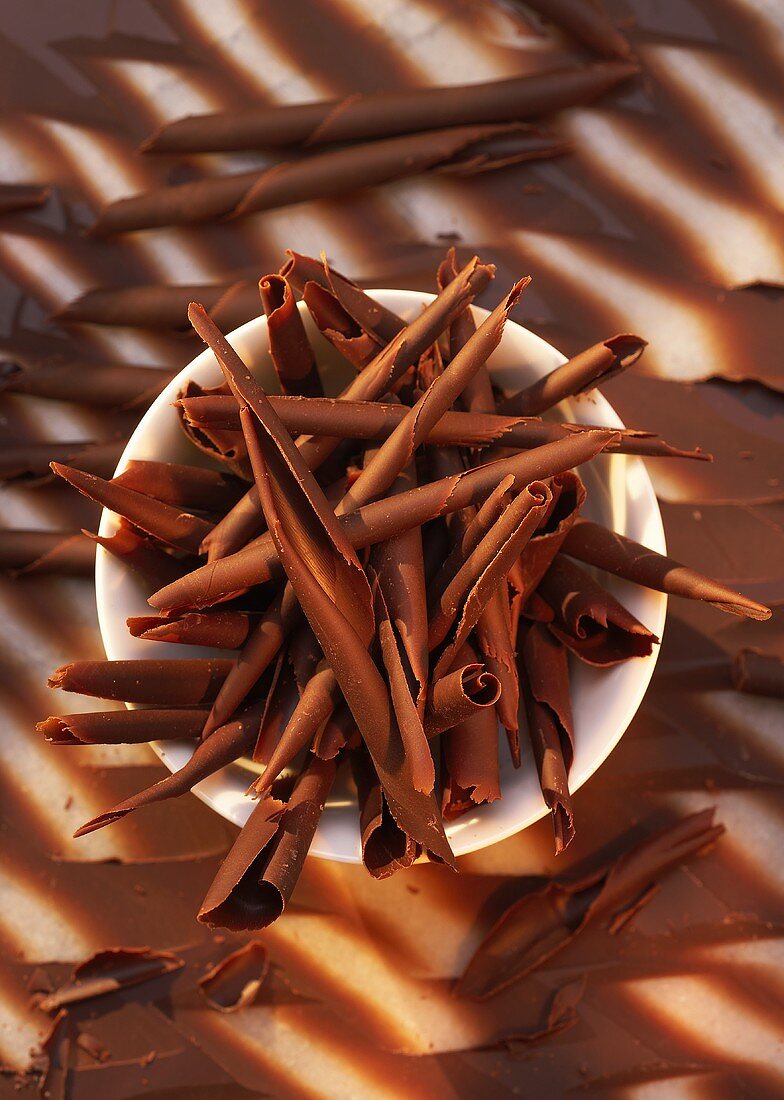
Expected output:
(620, 495)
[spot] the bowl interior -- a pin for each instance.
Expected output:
(620, 495)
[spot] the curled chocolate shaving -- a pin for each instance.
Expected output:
(163, 307)
(164, 522)
(107, 971)
(469, 755)
(379, 114)
(217, 629)
(191, 487)
(122, 727)
(337, 325)
(345, 419)
(590, 368)
(175, 683)
(548, 709)
(30, 553)
(235, 981)
(106, 385)
(377, 521)
(758, 673)
(458, 695)
(257, 877)
(543, 922)
(588, 620)
(615, 553)
(22, 196)
(385, 846)
(220, 445)
(209, 756)
(141, 555)
(292, 355)
(31, 463)
(588, 23)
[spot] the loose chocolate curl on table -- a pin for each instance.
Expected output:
(588, 23)
(22, 196)
(120, 386)
(546, 920)
(758, 673)
(384, 114)
(30, 463)
(163, 307)
(107, 971)
(31, 553)
(459, 150)
(235, 981)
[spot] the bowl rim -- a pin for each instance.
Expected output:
(602, 411)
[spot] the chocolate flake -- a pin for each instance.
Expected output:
(107, 971)
(235, 981)
(758, 673)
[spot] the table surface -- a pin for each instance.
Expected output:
(665, 220)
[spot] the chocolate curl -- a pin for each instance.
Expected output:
(216, 629)
(588, 23)
(470, 764)
(378, 322)
(282, 698)
(375, 522)
(614, 553)
(334, 593)
(31, 463)
(118, 386)
(361, 117)
(122, 727)
(385, 846)
(548, 708)
(191, 487)
(568, 498)
(339, 327)
(478, 394)
(107, 971)
(408, 717)
(30, 553)
(461, 150)
(458, 696)
(169, 524)
(589, 621)
(546, 920)
(292, 355)
(592, 367)
(236, 980)
(175, 683)
(219, 445)
(22, 196)
(339, 730)
(257, 877)
(223, 748)
(758, 673)
(457, 610)
(378, 378)
(164, 307)
(375, 420)
(140, 555)
(398, 449)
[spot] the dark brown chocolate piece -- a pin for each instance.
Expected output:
(608, 550)
(469, 753)
(377, 521)
(548, 709)
(165, 522)
(31, 463)
(191, 487)
(546, 920)
(217, 629)
(209, 756)
(458, 695)
(385, 846)
(588, 620)
(338, 326)
(52, 1060)
(164, 306)
(257, 877)
(590, 368)
(758, 673)
(100, 385)
(561, 1015)
(110, 970)
(29, 553)
(22, 196)
(141, 555)
(292, 355)
(380, 114)
(175, 683)
(588, 22)
(235, 981)
(122, 727)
